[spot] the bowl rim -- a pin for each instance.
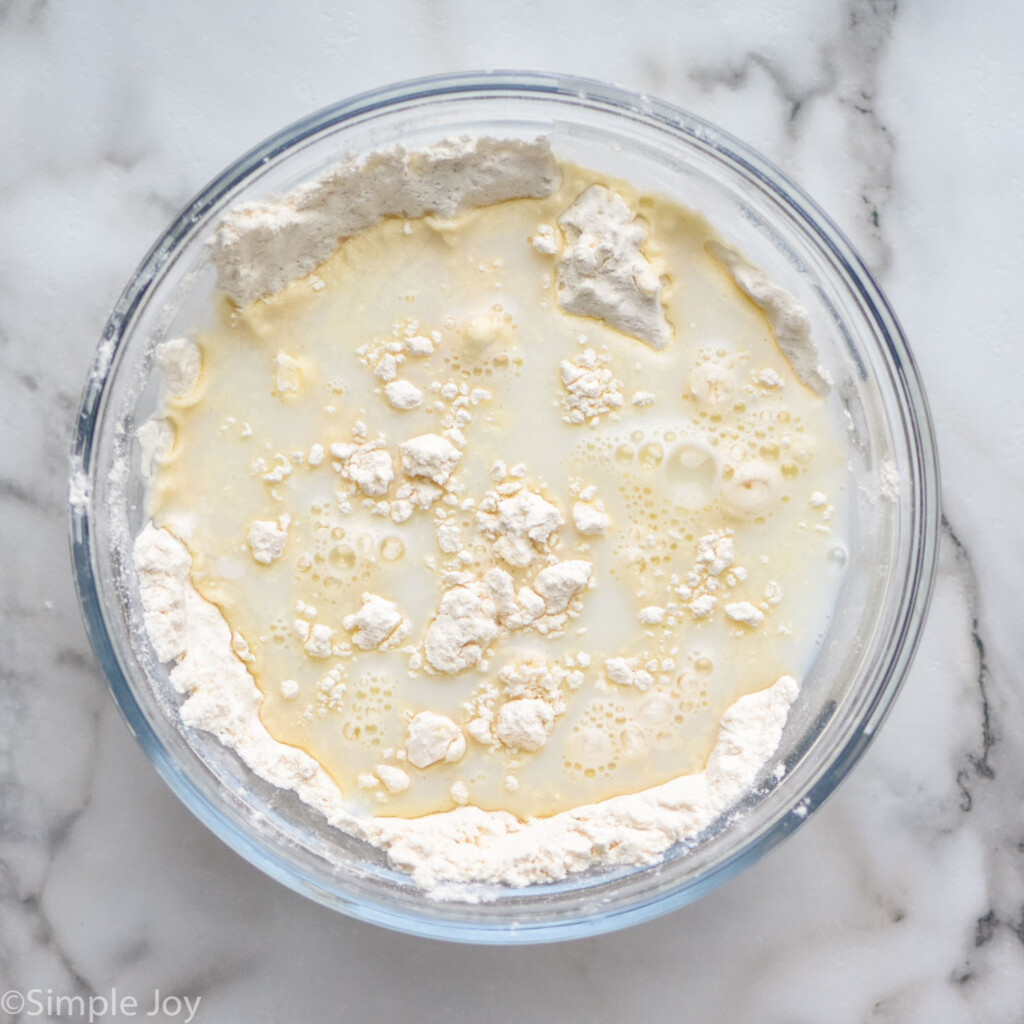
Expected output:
(654, 113)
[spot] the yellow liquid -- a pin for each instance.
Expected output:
(291, 371)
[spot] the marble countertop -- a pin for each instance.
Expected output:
(902, 899)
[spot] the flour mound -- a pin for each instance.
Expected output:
(259, 247)
(788, 319)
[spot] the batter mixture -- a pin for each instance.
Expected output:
(497, 518)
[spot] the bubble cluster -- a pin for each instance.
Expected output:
(611, 733)
(370, 702)
(342, 560)
(484, 346)
(732, 455)
(594, 745)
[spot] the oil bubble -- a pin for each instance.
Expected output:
(691, 472)
(651, 455)
(391, 549)
(342, 556)
(837, 556)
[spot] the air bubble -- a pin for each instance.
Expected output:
(392, 549)
(837, 556)
(691, 473)
(651, 455)
(633, 741)
(342, 557)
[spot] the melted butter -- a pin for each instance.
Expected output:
(716, 450)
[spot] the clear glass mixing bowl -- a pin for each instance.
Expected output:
(861, 661)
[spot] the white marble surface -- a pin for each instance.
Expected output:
(903, 898)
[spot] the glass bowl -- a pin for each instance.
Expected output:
(861, 660)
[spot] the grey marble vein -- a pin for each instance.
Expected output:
(843, 82)
(979, 762)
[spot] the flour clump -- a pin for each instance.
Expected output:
(603, 272)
